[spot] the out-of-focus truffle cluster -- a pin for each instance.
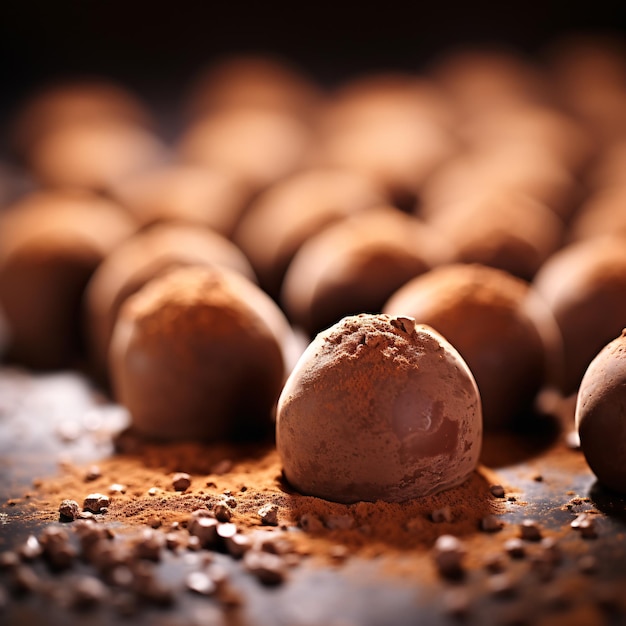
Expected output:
(482, 196)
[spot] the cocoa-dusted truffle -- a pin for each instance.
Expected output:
(584, 284)
(141, 258)
(496, 323)
(506, 229)
(50, 244)
(354, 265)
(378, 408)
(285, 216)
(198, 354)
(94, 155)
(601, 414)
(258, 146)
(184, 193)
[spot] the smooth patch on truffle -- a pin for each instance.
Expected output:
(199, 354)
(378, 408)
(601, 414)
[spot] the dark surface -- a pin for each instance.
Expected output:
(47, 418)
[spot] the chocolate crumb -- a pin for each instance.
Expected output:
(181, 481)
(88, 592)
(530, 531)
(494, 563)
(93, 472)
(69, 510)
(200, 583)
(448, 554)
(95, 502)
(491, 524)
(269, 514)
(588, 564)
(457, 603)
(223, 512)
(497, 491)
(444, 514)
(311, 523)
(31, 549)
(502, 585)
(515, 548)
(268, 568)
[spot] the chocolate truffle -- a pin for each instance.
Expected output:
(70, 102)
(602, 214)
(258, 146)
(507, 230)
(93, 155)
(496, 323)
(601, 414)
(378, 408)
(285, 216)
(50, 244)
(584, 285)
(259, 82)
(184, 193)
(197, 354)
(354, 265)
(139, 259)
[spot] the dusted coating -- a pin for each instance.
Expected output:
(378, 408)
(198, 354)
(601, 414)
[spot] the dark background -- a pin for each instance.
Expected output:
(156, 47)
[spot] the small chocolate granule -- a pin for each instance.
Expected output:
(550, 550)
(152, 491)
(588, 564)
(448, 554)
(95, 502)
(268, 568)
(88, 592)
(494, 563)
(222, 512)
(24, 579)
(497, 491)
(515, 548)
(311, 523)
(93, 473)
(491, 524)
(31, 549)
(181, 481)
(237, 545)
(150, 545)
(205, 529)
(444, 514)
(117, 488)
(457, 603)
(502, 585)
(230, 501)
(9, 559)
(269, 514)
(200, 583)
(587, 529)
(529, 530)
(69, 510)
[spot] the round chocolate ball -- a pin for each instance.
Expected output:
(601, 414)
(258, 146)
(94, 155)
(184, 193)
(50, 245)
(286, 215)
(141, 258)
(354, 265)
(496, 323)
(198, 354)
(584, 285)
(378, 408)
(602, 214)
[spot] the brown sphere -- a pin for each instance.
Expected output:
(50, 245)
(67, 103)
(141, 258)
(197, 354)
(506, 230)
(285, 216)
(257, 146)
(184, 193)
(601, 414)
(498, 326)
(354, 265)
(94, 155)
(378, 408)
(584, 285)
(603, 213)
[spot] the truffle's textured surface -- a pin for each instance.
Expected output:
(94, 155)
(184, 193)
(601, 414)
(354, 266)
(498, 326)
(285, 216)
(50, 244)
(507, 230)
(258, 146)
(199, 354)
(584, 284)
(141, 258)
(378, 408)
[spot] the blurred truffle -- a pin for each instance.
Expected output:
(601, 414)
(94, 155)
(184, 193)
(260, 82)
(378, 408)
(506, 230)
(584, 284)
(498, 325)
(142, 257)
(286, 215)
(258, 146)
(50, 244)
(197, 354)
(354, 265)
(602, 214)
